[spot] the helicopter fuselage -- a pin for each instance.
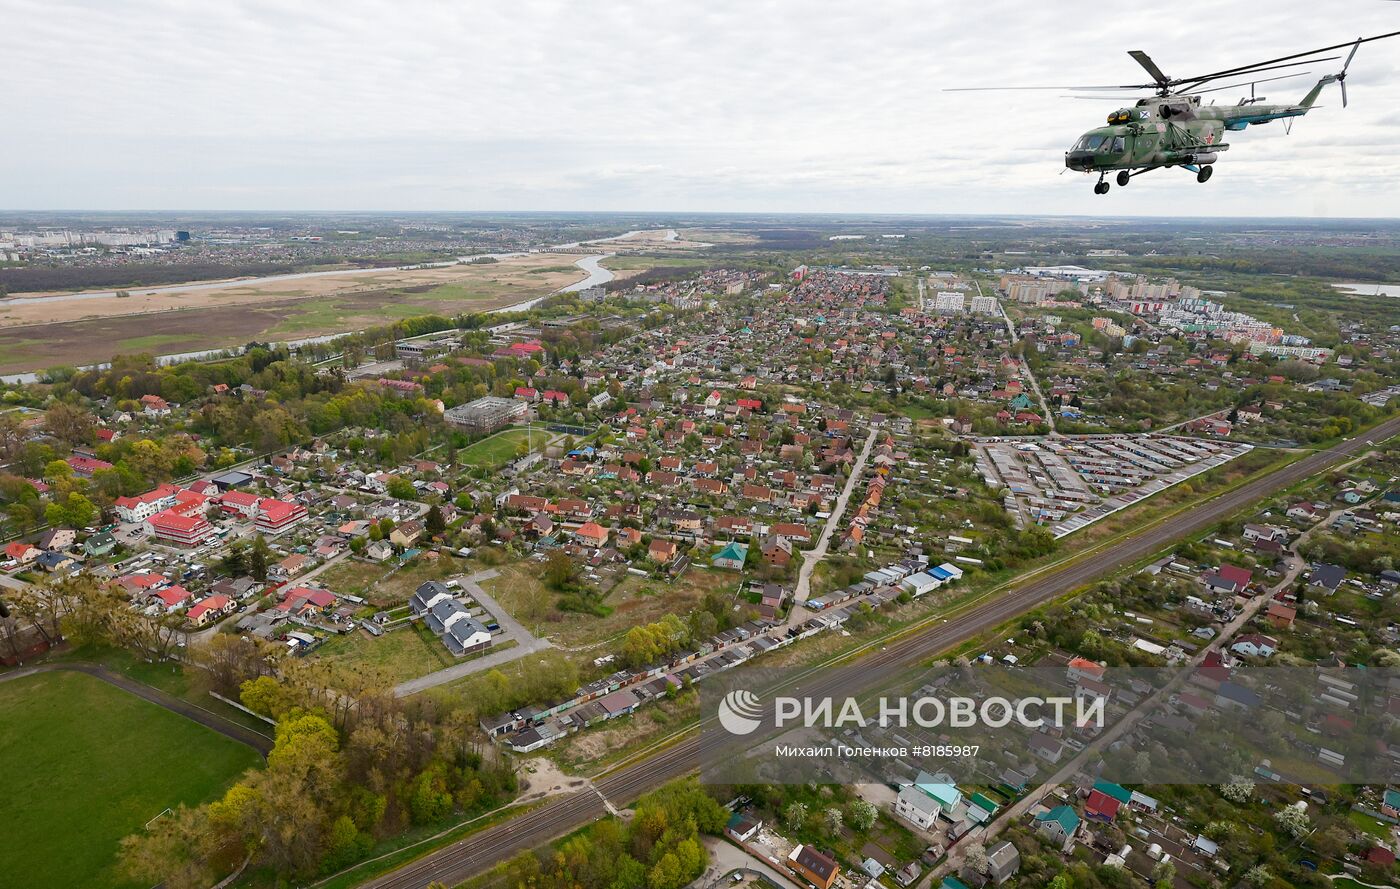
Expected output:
(1170, 131)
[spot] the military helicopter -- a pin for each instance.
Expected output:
(1172, 128)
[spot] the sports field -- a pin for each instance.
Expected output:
(85, 764)
(500, 448)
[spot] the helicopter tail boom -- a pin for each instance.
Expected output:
(1340, 78)
(1311, 98)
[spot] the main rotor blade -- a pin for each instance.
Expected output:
(1260, 66)
(1146, 62)
(1189, 84)
(984, 89)
(1216, 89)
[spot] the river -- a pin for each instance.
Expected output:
(1369, 289)
(596, 274)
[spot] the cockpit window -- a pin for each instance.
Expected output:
(1090, 142)
(1118, 145)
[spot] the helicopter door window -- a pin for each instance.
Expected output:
(1118, 145)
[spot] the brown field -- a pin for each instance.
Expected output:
(531, 275)
(87, 331)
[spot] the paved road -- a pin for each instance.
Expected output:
(13, 583)
(1045, 411)
(811, 558)
(525, 642)
(466, 858)
(229, 729)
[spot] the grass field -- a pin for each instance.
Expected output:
(86, 764)
(500, 448)
(384, 587)
(398, 655)
(1374, 826)
(635, 600)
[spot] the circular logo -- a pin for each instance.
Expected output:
(740, 712)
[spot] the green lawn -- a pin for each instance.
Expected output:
(1374, 826)
(500, 448)
(85, 764)
(405, 653)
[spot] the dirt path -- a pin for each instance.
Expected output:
(229, 729)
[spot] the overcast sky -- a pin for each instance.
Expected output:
(721, 105)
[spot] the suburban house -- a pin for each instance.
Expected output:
(407, 534)
(742, 828)
(300, 601)
(1228, 579)
(56, 562)
(1264, 532)
(1002, 862)
(427, 595)
(22, 553)
(1047, 748)
(942, 791)
(592, 534)
(58, 538)
(100, 544)
(1082, 668)
(916, 807)
(1058, 825)
(171, 598)
(209, 609)
(815, 867)
(1326, 578)
(459, 631)
(732, 556)
(661, 551)
(1255, 645)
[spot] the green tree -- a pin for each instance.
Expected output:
(794, 816)
(257, 559)
(434, 522)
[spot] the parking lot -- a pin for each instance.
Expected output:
(1069, 483)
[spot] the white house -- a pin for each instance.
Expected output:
(1255, 645)
(916, 807)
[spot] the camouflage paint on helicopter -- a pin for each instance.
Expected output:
(1171, 128)
(1173, 131)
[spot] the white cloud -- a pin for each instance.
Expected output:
(727, 105)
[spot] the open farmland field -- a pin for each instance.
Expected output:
(37, 334)
(87, 764)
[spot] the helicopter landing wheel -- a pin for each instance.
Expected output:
(1123, 177)
(1101, 188)
(1204, 173)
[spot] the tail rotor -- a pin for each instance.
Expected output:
(1342, 77)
